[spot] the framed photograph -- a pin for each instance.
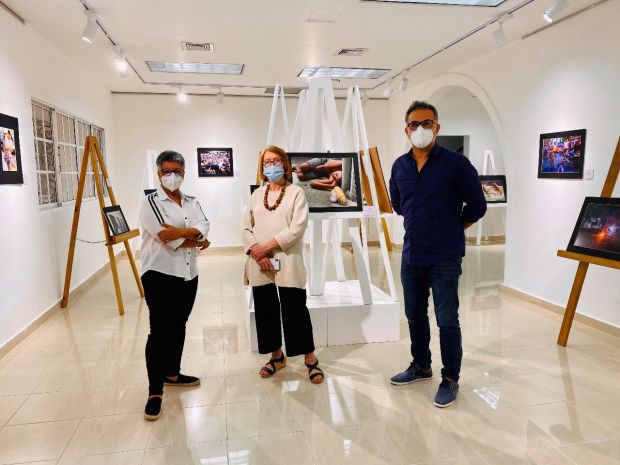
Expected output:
(116, 220)
(10, 154)
(494, 188)
(597, 231)
(214, 162)
(331, 181)
(561, 154)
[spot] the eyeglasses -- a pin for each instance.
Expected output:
(165, 172)
(268, 163)
(426, 124)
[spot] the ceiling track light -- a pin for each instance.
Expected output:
(220, 96)
(555, 10)
(120, 63)
(404, 83)
(90, 30)
(389, 90)
(499, 36)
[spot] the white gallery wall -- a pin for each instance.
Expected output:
(566, 77)
(34, 247)
(161, 122)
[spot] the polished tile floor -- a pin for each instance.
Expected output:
(73, 392)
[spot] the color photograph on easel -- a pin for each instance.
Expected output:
(10, 155)
(597, 231)
(494, 188)
(330, 180)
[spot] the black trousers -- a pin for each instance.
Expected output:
(269, 302)
(170, 300)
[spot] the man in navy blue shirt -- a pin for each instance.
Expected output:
(438, 193)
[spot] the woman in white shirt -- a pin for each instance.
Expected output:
(273, 232)
(174, 227)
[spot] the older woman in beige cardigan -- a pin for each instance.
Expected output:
(274, 226)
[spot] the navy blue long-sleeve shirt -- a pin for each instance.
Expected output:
(435, 203)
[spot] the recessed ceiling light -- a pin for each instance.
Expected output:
(446, 2)
(342, 73)
(200, 68)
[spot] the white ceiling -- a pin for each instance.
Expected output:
(272, 38)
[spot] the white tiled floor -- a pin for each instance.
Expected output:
(73, 392)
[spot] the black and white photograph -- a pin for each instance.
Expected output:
(116, 220)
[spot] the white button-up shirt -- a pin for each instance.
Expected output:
(170, 258)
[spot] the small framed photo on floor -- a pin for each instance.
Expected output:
(331, 181)
(494, 188)
(597, 232)
(215, 162)
(10, 154)
(116, 220)
(561, 154)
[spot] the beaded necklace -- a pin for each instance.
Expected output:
(278, 201)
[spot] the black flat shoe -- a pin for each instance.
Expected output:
(152, 410)
(182, 381)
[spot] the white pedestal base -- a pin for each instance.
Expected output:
(340, 317)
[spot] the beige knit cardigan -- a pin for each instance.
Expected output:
(286, 224)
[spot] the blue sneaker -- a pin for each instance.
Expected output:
(411, 375)
(446, 394)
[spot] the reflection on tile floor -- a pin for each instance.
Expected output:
(74, 391)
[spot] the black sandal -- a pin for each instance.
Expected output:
(270, 367)
(313, 376)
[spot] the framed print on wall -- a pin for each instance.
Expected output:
(597, 231)
(561, 154)
(215, 162)
(10, 154)
(331, 181)
(494, 188)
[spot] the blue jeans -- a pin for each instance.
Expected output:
(443, 280)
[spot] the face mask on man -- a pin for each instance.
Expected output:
(172, 181)
(274, 173)
(421, 138)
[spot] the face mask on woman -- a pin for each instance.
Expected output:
(421, 138)
(274, 173)
(172, 181)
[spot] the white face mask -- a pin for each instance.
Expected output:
(421, 138)
(171, 181)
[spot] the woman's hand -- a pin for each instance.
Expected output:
(205, 244)
(265, 264)
(170, 233)
(260, 251)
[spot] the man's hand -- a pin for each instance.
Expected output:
(265, 264)
(467, 225)
(170, 233)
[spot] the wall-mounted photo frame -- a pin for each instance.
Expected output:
(10, 154)
(561, 154)
(215, 162)
(331, 181)
(597, 232)
(494, 188)
(116, 220)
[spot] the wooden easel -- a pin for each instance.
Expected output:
(92, 152)
(585, 260)
(384, 200)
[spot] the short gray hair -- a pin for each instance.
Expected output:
(170, 155)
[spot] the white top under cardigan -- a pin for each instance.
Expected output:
(287, 225)
(170, 259)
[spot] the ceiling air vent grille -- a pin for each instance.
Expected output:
(351, 52)
(198, 47)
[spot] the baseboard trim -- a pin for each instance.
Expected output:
(55, 308)
(489, 240)
(558, 309)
